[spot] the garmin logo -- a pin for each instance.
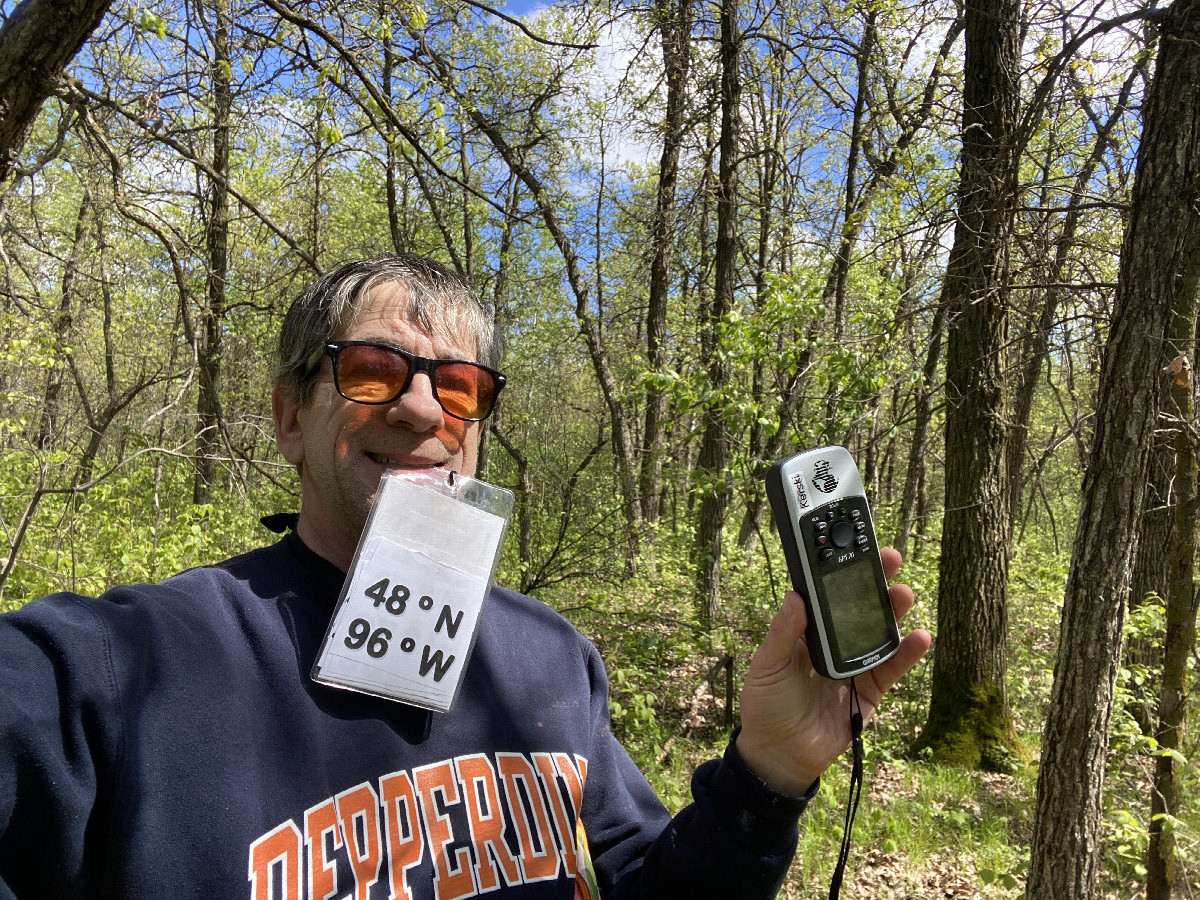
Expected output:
(801, 494)
(824, 480)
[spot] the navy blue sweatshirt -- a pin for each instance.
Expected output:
(167, 741)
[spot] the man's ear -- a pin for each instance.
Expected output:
(289, 433)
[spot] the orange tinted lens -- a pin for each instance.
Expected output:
(465, 390)
(371, 374)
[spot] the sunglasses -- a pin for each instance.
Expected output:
(367, 372)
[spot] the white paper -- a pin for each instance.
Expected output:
(407, 620)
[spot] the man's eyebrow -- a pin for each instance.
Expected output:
(455, 352)
(376, 339)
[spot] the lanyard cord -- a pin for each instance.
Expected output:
(856, 779)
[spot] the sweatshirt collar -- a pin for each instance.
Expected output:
(328, 576)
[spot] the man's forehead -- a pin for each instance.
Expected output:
(388, 307)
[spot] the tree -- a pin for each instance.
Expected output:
(771, 197)
(890, 107)
(212, 314)
(716, 443)
(37, 42)
(1157, 286)
(1051, 233)
(674, 21)
(858, 199)
(52, 403)
(969, 717)
(1162, 854)
(922, 416)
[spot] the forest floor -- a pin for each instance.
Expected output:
(925, 832)
(922, 832)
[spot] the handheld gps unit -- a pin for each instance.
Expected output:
(824, 521)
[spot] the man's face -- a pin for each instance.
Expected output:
(345, 447)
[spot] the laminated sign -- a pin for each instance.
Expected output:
(406, 622)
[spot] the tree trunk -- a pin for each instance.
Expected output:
(675, 25)
(970, 722)
(502, 310)
(524, 514)
(590, 327)
(1152, 562)
(834, 295)
(1162, 855)
(765, 438)
(857, 201)
(390, 161)
(922, 416)
(37, 42)
(48, 425)
(208, 408)
(1160, 264)
(1157, 544)
(1156, 541)
(1037, 340)
(715, 448)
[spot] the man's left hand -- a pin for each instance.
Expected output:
(795, 723)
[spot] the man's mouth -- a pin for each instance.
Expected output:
(389, 462)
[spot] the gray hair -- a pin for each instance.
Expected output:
(440, 302)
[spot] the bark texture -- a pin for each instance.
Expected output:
(37, 42)
(716, 446)
(1159, 260)
(208, 401)
(674, 20)
(1163, 870)
(969, 719)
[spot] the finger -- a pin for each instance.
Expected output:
(902, 599)
(776, 650)
(891, 561)
(912, 649)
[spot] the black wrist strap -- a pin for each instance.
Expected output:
(856, 780)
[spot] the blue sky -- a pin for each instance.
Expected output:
(520, 7)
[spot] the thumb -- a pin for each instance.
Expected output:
(783, 639)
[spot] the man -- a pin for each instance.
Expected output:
(167, 740)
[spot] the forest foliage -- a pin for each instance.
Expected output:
(201, 162)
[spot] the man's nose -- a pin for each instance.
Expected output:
(418, 407)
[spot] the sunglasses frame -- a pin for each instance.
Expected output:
(416, 364)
